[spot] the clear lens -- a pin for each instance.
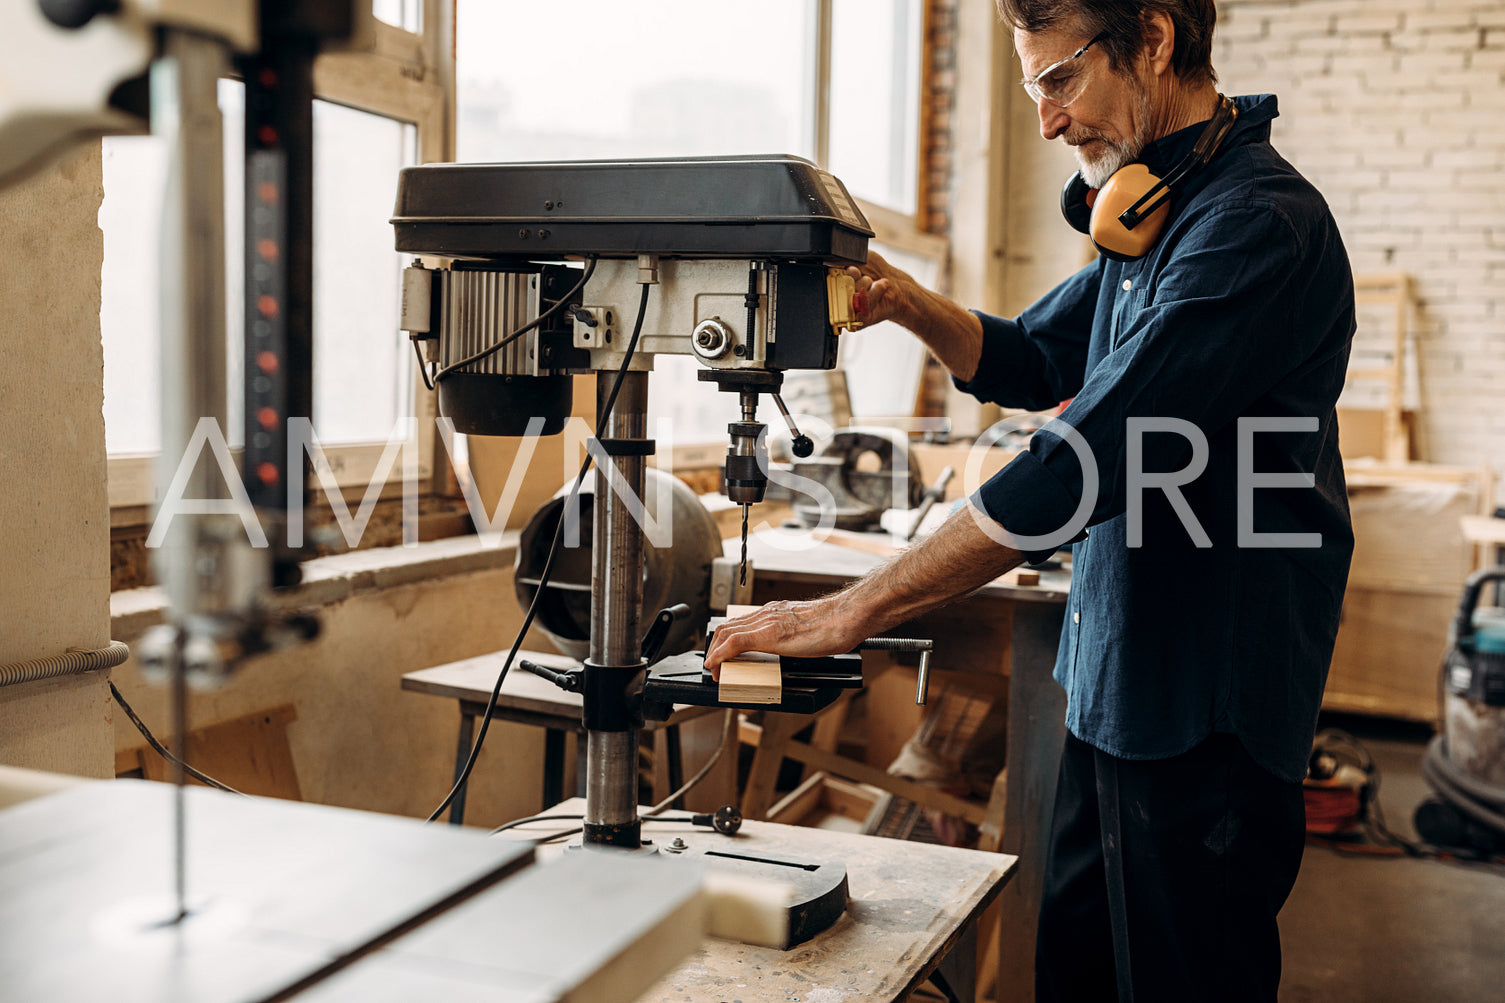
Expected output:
(1061, 83)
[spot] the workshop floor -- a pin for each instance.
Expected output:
(1380, 929)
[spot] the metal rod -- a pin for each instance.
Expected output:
(922, 646)
(616, 605)
(179, 799)
(185, 113)
(194, 565)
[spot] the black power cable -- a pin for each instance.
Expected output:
(161, 749)
(548, 566)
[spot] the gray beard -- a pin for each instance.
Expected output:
(1097, 172)
(1118, 153)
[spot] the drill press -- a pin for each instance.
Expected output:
(746, 259)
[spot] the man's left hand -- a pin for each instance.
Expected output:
(817, 627)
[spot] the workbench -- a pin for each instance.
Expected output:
(1004, 636)
(913, 909)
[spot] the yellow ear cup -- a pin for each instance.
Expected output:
(1127, 186)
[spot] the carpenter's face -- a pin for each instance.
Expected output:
(1102, 115)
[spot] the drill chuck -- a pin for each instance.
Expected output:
(746, 463)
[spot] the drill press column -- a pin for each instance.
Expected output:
(611, 801)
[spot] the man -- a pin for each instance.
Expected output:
(1202, 610)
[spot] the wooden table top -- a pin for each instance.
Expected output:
(792, 556)
(908, 903)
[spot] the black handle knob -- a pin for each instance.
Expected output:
(76, 13)
(803, 446)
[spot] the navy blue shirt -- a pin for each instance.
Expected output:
(1241, 313)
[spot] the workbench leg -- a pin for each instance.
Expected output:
(553, 767)
(1036, 736)
(462, 753)
(676, 765)
(958, 968)
(828, 724)
(778, 729)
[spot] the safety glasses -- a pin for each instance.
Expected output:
(1061, 82)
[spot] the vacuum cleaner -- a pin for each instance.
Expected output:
(1465, 764)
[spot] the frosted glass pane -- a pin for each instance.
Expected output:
(362, 373)
(875, 92)
(585, 79)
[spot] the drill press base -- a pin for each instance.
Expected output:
(820, 889)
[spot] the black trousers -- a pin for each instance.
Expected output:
(1163, 877)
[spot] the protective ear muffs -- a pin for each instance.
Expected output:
(1124, 218)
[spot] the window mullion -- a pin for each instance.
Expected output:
(821, 94)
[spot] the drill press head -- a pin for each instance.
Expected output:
(747, 253)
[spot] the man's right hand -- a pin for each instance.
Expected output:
(888, 293)
(885, 292)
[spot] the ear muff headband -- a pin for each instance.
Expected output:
(1126, 216)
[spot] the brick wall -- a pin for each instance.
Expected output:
(1395, 109)
(940, 102)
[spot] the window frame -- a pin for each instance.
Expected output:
(398, 74)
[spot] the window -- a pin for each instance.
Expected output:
(875, 100)
(378, 111)
(835, 81)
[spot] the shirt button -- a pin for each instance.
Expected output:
(1076, 617)
(1128, 285)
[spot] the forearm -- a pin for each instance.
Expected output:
(958, 558)
(951, 332)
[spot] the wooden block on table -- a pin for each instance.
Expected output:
(1020, 576)
(752, 678)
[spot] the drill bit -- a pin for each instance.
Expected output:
(744, 543)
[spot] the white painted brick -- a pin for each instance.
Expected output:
(1451, 117)
(1440, 20)
(1396, 157)
(1468, 158)
(1375, 204)
(1361, 20)
(1492, 99)
(1459, 41)
(1487, 59)
(1412, 101)
(1420, 180)
(1321, 43)
(1415, 64)
(1465, 203)
(1465, 81)
(1241, 29)
(1353, 64)
(1281, 30)
(1478, 180)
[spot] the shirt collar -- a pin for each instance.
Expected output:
(1255, 112)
